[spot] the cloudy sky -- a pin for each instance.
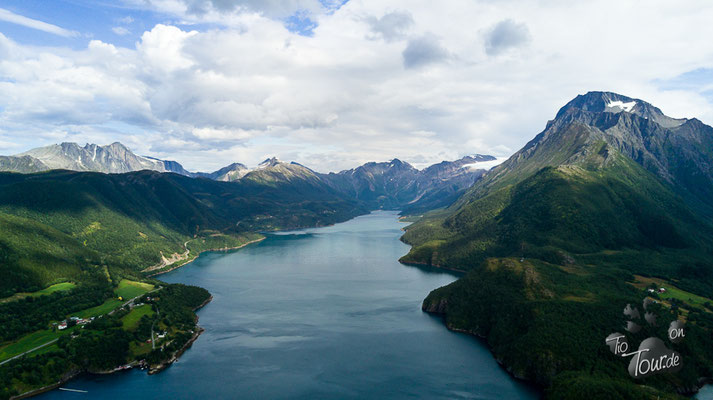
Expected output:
(332, 83)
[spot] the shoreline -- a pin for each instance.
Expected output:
(163, 270)
(423, 264)
(187, 345)
(199, 330)
(153, 371)
(161, 367)
(702, 381)
(47, 388)
(188, 261)
(484, 339)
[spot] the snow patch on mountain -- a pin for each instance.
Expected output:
(621, 105)
(487, 165)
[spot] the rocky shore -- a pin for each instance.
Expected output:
(66, 378)
(178, 263)
(160, 367)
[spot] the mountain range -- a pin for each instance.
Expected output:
(391, 185)
(610, 195)
(398, 185)
(113, 158)
(610, 198)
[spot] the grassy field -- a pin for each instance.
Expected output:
(101, 309)
(55, 288)
(672, 292)
(126, 287)
(131, 320)
(136, 349)
(31, 341)
(58, 287)
(129, 289)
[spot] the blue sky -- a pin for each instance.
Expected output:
(90, 20)
(112, 21)
(332, 84)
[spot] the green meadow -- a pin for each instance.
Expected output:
(131, 320)
(129, 289)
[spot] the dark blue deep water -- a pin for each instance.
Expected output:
(325, 313)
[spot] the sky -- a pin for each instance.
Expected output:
(332, 84)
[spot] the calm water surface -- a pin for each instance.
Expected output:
(706, 393)
(324, 313)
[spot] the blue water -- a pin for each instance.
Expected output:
(324, 313)
(706, 393)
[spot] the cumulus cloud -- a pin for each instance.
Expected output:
(506, 35)
(424, 50)
(209, 95)
(391, 26)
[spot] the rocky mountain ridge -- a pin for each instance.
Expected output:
(391, 185)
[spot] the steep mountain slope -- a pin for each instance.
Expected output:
(553, 237)
(678, 151)
(398, 185)
(441, 184)
(21, 164)
(274, 172)
(385, 184)
(28, 248)
(231, 173)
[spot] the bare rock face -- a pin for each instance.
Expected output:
(678, 150)
(21, 164)
(113, 158)
(439, 306)
(398, 185)
(231, 173)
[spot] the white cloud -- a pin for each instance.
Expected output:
(228, 12)
(9, 16)
(391, 26)
(120, 30)
(245, 89)
(424, 50)
(506, 35)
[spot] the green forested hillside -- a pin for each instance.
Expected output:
(564, 213)
(56, 223)
(555, 238)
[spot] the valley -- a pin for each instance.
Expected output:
(291, 318)
(608, 200)
(356, 199)
(86, 244)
